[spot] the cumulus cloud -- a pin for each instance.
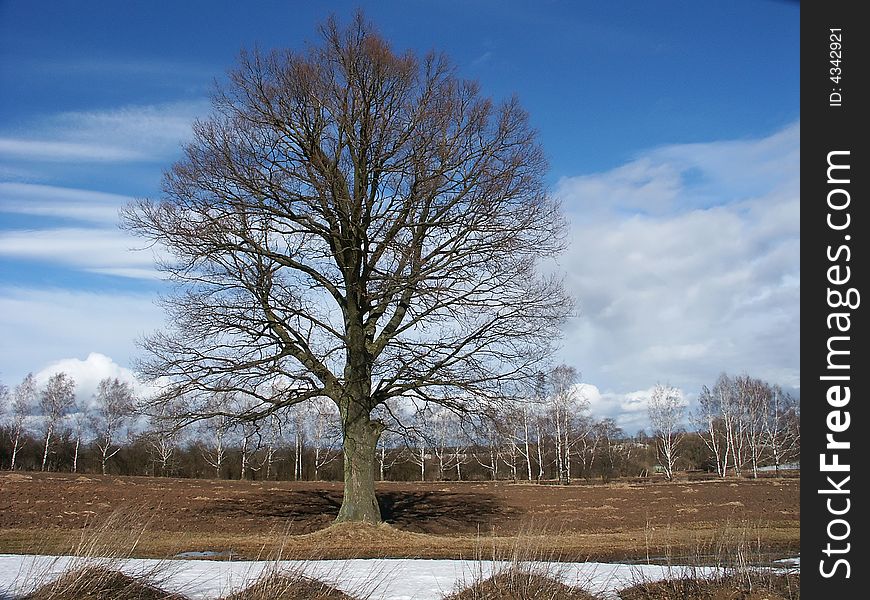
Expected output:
(686, 263)
(88, 373)
(40, 326)
(630, 410)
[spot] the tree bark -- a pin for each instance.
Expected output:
(15, 449)
(47, 442)
(360, 446)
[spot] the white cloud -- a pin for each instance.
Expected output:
(686, 263)
(630, 409)
(53, 201)
(108, 251)
(61, 151)
(88, 373)
(41, 326)
(127, 134)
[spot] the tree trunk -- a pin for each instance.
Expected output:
(360, 447)
(76, 456)
(15, 449)
(47, 442)
(244, 457)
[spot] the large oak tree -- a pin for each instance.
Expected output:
(355, 224)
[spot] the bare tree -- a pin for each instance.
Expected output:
(387, 455)
(214, 451)
(445, 433)
(56, 399)
(416, 441)
(113, 408)
(523, 437)
(273, 437)
(588, 442)
(611, 436)
(80, 416)
(710, 422)
(23, 403)
(163, 433)
(781, 428)
(363, 225)
(248, 432)
(297, 423)
(325, 433)
(666, 411)
(487, 437)
(4, 406)
(565, 407)
(754, 397)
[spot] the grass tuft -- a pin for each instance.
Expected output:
(99, 583)
(289, 586)
(520, 582)
(767, 587)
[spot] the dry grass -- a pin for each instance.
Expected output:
(729, 565)
(531, 564)
(519, 583)
(766, 587)
(531, 569)
(99, 583)
(289, 586)
(388, 542)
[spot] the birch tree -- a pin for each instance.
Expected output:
(325, 433)
(666, 411)
(80, 417)
(56, 399)
(273, 437)
(23, 403)
(710, 423)
(754, 397)
(163, 433)
(565, 407)
(781, 428)
(363, 224)
(215, 430)
(113, 408)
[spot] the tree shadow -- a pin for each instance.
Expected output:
(441, 512)
(306, 511)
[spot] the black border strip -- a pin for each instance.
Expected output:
(834, 229)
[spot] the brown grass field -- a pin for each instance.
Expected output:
(52, 513)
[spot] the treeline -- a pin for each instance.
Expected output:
(741, 426)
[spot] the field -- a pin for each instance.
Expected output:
(47, 513)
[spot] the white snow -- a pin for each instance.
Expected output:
(385, 579)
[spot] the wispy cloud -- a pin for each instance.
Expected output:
(686, 263)
(58, 151)
(108, 251)
(91, 240)
(127, 134)
(53, 201)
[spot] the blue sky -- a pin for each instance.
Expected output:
(671, 127)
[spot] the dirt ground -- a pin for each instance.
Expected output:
(48, 513)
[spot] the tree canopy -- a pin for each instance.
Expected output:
(356, 224)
